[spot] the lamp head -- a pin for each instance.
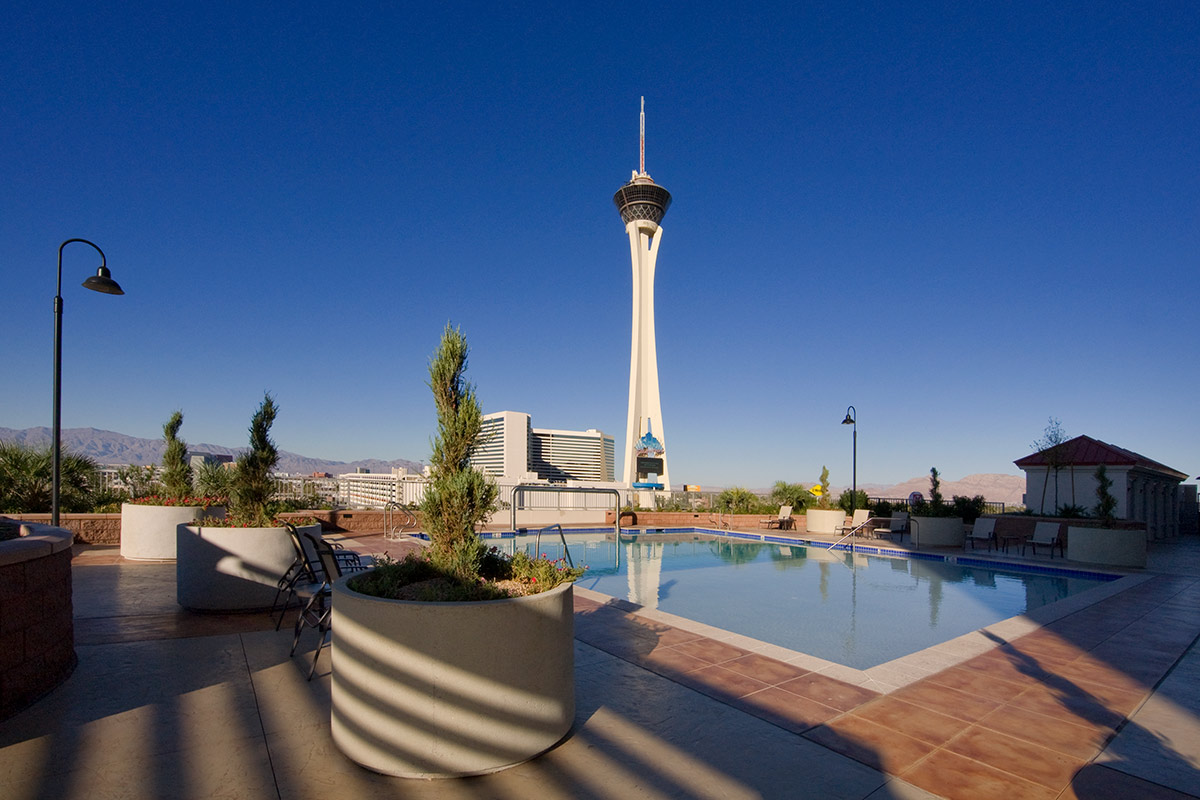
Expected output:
(102, 282)
(849, 420)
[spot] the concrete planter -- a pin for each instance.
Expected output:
(438, 690)
(824, 521)
(937, 531)
(148, 532)
(231, 569)
(1111, 546)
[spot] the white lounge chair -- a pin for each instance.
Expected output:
(858, 525)
(1045, 534)
(783, 521)
(896, 526)
(984, 530)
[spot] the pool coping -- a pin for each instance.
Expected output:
(891, 675)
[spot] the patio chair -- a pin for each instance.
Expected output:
(984, 530)
(302, 572)
(1045, 534)
(782, 522)
(860, 525)
(317, 611)
(896, 526)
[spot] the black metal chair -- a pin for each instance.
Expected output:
(317, 611)
(302, 571)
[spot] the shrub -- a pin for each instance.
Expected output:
(795, 495)
(253, 484)
(1106, 504)
(1072, 512)
(848, 501)
(824, 501)
(214, 479)
(738, 500)
(177, 472)
(27, 480)
(969, 508)
(458, 496)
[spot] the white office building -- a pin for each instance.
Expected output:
(511, 449)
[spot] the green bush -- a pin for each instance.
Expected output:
(253, 483)
(847, 500)
(795, 495)
(738, 500)
(27, 480)
(177, 472)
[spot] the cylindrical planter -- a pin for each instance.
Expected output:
(824, 521)
(438, 690)
(937, 531)
(148, 532)
(1112, 546)
(230, 569)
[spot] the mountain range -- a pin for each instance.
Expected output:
(109, 447)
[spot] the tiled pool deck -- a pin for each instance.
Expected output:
(1098, 697)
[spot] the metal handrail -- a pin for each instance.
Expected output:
(568, 490)
(408, 520)
(854, 531)
(537, 542)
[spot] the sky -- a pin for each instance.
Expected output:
(960, 218)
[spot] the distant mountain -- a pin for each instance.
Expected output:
(110, 447)
(995, 487)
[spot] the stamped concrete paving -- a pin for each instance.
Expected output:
(163, 705)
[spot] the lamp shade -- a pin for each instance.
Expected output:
(102, 282)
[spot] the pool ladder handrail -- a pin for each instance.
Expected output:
(393, 533)
(537, 542)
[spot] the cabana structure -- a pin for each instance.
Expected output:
(1065, 475)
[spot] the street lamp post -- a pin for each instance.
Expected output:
(852, 419)
(100, 282)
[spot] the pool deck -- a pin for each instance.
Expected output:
(1096, 698)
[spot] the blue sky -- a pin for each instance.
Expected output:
(961, 218)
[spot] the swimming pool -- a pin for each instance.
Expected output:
(853, 608)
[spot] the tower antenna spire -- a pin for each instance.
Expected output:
(642, 140)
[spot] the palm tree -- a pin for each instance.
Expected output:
(27, 480)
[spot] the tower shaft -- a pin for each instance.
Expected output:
(645, 408)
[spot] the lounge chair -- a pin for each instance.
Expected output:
(1046, 534)
(984, 530)
(896, 526)
(859, 525)
(783, 521)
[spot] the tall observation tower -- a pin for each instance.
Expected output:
(642, 204)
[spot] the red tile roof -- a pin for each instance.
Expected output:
(1084, 451)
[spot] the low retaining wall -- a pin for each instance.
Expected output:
(1022, 525)
(37, 634)
(698, 519)
(86, 528)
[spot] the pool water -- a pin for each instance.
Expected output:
(850, 608)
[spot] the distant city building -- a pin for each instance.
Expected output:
(1145, 490)
(199, 459)
(510, 448)
(377, 489)
(296, 487)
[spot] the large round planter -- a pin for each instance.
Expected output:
(1112, 546)
(937, 531)
(824, 521)
(148, 532)
(231, 569)
(439, 690)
